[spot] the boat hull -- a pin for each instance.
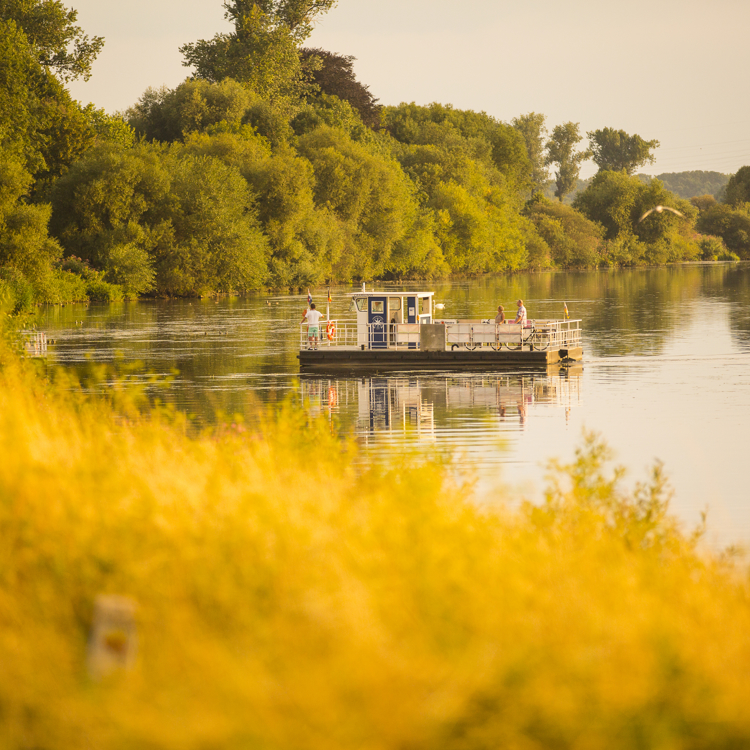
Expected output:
(458, 359)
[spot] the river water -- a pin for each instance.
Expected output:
(666, 375)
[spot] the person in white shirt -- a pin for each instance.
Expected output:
(521, 317)
(312, 316)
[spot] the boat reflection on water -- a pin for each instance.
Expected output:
(432, 407)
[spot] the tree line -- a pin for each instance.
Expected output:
(273, 166)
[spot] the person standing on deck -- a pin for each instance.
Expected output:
(500, 317)
(521, 317)
(313, 325)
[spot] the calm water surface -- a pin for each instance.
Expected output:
(666, 376)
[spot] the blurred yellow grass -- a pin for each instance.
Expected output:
(288, 600)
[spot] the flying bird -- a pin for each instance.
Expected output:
(658, 210)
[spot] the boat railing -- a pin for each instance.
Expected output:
(331, 333)
(538, 335)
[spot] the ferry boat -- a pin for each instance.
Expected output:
(399, 330)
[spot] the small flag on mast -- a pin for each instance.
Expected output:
(329, 294)
(309, 298)
(565, 305)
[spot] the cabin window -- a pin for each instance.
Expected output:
(361, 304)
(425, 305)
(378, 306)
(394, 303)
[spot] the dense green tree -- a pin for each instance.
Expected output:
(562, 153)
(418, 254)
(668, 237)
(574, 240)
(738, 188)
(477, 222)
(617, 201)
(614, 150)
(368, 192)
(188, 218)
(216, 243)
(39, 121)
(328, 109)
(479, 236)
(531, 126)
(24, 242)
(730, 223)
(335, 76)
(305, 240)
(703, 202)
(713, 248)
(20, 75)
(451, 158)
(112, 195)
(611, 200)
(485, 138)
(57, 42)
(263, 50)
(432, 165)
(170, 114)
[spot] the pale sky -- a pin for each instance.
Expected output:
(673, 70)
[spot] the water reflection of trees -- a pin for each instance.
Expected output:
(737, 289)
(219, 350)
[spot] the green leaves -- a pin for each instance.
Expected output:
(738, 188)
(25, 246)
(574, 241)
(615, 150)
(618, 201)
(57, 42)
(531, 127)
(188, 217)
(195, 105)
(263, 51)
(561, 150)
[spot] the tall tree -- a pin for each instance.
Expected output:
(615, 150)
(738, 187)
(561, 151)
(58, 43)
(39, 122)
(263, 49)
(531, 127)
(336, 76)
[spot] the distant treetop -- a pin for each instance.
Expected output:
(59, 44)
(614, 150)
(336, 76)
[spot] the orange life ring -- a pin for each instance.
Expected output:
(331, 330)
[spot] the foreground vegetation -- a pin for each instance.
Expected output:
(287, 599)
(272, 165)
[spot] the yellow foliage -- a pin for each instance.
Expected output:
(288, 599)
